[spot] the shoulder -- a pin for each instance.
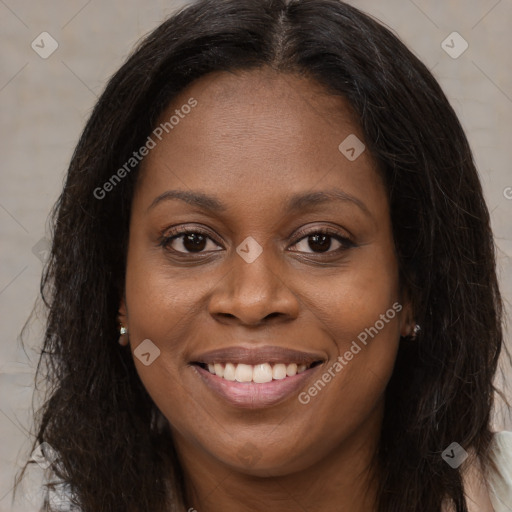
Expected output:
(500, 478)
(60, 498)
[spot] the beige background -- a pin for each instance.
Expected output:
(45, 103)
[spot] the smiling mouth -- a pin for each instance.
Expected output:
(258, 373)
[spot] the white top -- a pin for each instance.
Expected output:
(500, 484)
(493, 496)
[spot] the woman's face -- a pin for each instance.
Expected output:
(287, 260)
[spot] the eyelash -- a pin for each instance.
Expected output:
(176, 233)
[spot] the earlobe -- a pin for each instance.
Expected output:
(122, 320)
(408, 327)
(122, 314)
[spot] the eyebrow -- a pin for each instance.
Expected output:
(294, 203)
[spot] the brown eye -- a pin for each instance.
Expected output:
(189, 242)
(323, 241)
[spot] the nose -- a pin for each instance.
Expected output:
(253, 294)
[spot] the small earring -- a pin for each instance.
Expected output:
(415, 331)
(123, 339)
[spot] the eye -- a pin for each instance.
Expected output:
(188, 241)
(322, 241)
(198, 241)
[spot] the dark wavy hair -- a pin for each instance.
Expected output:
(114, 451)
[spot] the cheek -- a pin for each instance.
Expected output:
(161, 306)
(360, 295)
(360, 311)
(161, 300)
(161, 310)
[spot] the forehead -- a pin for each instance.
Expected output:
(239, 105)
(258, 132)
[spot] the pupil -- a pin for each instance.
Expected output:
(321, 241)
(194, 242)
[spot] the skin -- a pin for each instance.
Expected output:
(254, 139)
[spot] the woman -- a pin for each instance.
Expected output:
(276, 210)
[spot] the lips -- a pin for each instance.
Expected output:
(256, 377)
(255, 356)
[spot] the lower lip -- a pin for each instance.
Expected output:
(250, 395)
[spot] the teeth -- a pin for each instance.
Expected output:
(229, 371)
(243, 373)
(279, 371)
(291, 370)
(260, 373)
(218, 369)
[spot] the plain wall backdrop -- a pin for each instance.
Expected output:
(45, 101)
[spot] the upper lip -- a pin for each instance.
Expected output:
(260, 355)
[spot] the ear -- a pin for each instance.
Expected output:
(407, 321)
(122, 316)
